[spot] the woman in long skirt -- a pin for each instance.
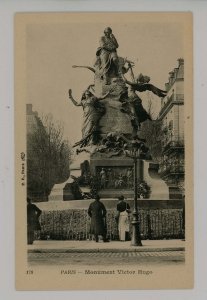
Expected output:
(123, 210)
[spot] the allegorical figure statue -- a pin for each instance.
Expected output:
(93, 110)
(107, 60)
(142, 84)
(132, 105)
(124, 65)
(134, 108)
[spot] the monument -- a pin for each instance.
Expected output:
(112, 117)
(111, 128)
(119, 162)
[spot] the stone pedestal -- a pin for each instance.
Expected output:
(65, 191)
(56, 193)
(118, 182)
(114, 120)
(159, 189)
(117, 170)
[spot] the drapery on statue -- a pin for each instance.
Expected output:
(110, 69)
(132, 105)
(134, 108)
(93, 111)
(107, 60)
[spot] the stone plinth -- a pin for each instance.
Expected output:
(159, 189)
(101, 160)
(114, 120)
(118, 180)
(116, 86)
(64, 191)
(57, 192)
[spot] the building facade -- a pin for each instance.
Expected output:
(32, 118)
(172, 116)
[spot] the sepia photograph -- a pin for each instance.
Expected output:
(103, 151)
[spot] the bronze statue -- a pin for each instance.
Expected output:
(134, 108)
(122, 65)
(107, 59)
(132, 105)
(93, 111)
(110, 69)
(85, 67)
(142, 86)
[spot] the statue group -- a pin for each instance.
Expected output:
(110, 85)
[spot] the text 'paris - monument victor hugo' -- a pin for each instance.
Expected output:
(112, 128)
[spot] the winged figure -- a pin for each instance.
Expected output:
(142, 87)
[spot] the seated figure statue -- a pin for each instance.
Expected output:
(107, 61)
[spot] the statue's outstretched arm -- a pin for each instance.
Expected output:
(85, 67)
(72, 99)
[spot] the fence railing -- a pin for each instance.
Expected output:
(75, 224)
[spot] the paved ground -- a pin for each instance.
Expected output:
(107, 258)
(113, 246)
(114, 253)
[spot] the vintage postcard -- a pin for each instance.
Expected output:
(104, 151)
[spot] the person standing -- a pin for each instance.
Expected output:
(97, 213)
(33, 224)
(123, 210)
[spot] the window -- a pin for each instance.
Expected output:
(170, 126)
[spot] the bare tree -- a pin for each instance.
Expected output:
(48, 155)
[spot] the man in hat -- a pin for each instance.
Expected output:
(33, 224)
(97, 213)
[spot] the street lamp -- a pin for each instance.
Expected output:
(137, 151)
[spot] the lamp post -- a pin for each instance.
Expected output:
(137, 151)
(135, 238)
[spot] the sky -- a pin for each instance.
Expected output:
(153, 44)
